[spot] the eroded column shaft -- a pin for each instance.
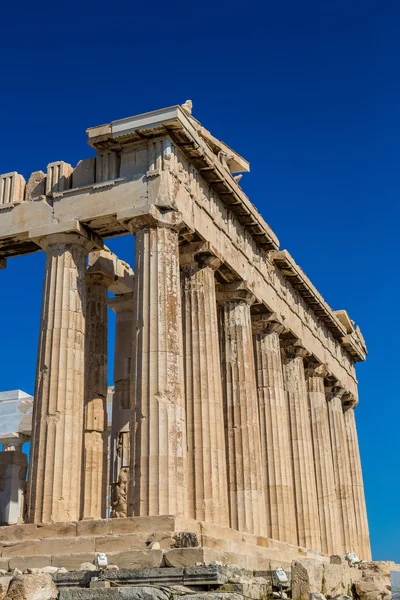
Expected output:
(57, 442)
(206, 460)
(275, 435)
(158, 450)
(323, 462)
(364, 545)
(95, 436)
(245, 483)
(308, 529)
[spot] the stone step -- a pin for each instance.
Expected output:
(147, 559)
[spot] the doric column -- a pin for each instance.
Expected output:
(341, 467)
(95, 421)
(57, 442)
(13, 469)
(364, 545)
(206, 458)
(121, 407)
(245, 482)
(275, 435)
(158, 448)
(326, 491)
(308, 529)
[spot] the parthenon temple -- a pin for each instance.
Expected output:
(232, 413)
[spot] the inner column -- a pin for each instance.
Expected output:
(158, 446)
(245, 482)
(207, 478)
(121, 408)
(57, 434)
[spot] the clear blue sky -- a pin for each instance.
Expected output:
(307, 91)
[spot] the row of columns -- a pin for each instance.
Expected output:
(227, 425)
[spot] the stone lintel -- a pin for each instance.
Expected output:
(3, 263)
(121, 303)
(148, 217)
(266, 323)
(234, 292)
(121, 275)
(73, 227)
(201, 254)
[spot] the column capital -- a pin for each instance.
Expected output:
(122, 303)
(349, 401)
(335, 391)
(294, 349)
(199, 255)
(234, 292)
(315, 369)
(71, 233)
(150, 217)
(266, 323)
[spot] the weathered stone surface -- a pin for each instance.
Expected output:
(4, 583)
(376, 589)
(31, 587)
(307, 576)
(189, 557)
(36, 186)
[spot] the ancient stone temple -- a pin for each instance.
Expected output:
(233, 434)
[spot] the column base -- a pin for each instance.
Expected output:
(142, 542)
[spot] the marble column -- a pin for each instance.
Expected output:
(242, 424)
(275, 434)
(55, 483)
(308, 529)
(121, 407)
(341, 467)
(323, 462)
(95, 419)
(364, 545)
(158, 447)
(13, 469)
(206, 457)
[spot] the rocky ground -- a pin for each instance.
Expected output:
(307, 580)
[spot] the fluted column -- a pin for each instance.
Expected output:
(95, 421)
(158, 449)
(121, 408)
(364, 545)
(206, 458)
(323, 462)
(245, 483)
(57, 441)
(341, 467)
(13, 469)
(308, 529)
(275, 435)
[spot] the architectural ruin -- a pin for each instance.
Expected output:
(235, 386)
